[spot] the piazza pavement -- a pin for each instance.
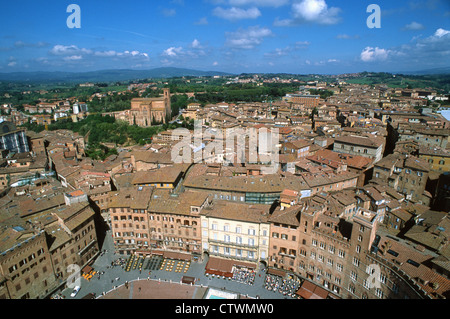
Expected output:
(114, 282)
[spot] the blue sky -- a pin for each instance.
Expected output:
(292, 36)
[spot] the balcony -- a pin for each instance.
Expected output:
(286, 254)
(232, 244)
(229, 256)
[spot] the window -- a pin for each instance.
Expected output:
(369, 270)
(314, 242)
(366, 284)
(382, 278)
(238, 230)
(395, 288)
(379, 292)
(353, 276)
(356, 261)
(341, 253)
(339, 267)
(351, 289)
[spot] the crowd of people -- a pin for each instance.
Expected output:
(244, 275)
(287, 287)
(118, 262)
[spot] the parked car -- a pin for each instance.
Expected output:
(75, 291)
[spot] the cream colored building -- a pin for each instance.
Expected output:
(236, 231)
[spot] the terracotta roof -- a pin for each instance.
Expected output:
(308, 290)
(358, 140)
(253, 213)
(162, 201)
(288, 216)
(354, 161)
(413, 262)
(169, 174)
(76, 193)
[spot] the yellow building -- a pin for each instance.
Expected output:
(438, 158)
(236, 231)
(165, 177)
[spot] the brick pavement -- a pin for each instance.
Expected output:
(153, 289)
(110, 283)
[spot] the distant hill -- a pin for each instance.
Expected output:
(103, 75)
(429, 71)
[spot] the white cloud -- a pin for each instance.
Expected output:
(105, 53)
(424, 52)
(414, 26)
(72, 53)
(234, 13)
(73, 58)
(215, 63)
(315, 11)
(196, 44)
(172, 51)
(278, 52)
(441, 32)
(12, 63)
(247, 38)
(370, 54)
(60, 49)
(310, 11)
(179, 54)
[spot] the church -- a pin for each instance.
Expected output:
(145, 112)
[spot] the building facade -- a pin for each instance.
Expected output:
(236, 231)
